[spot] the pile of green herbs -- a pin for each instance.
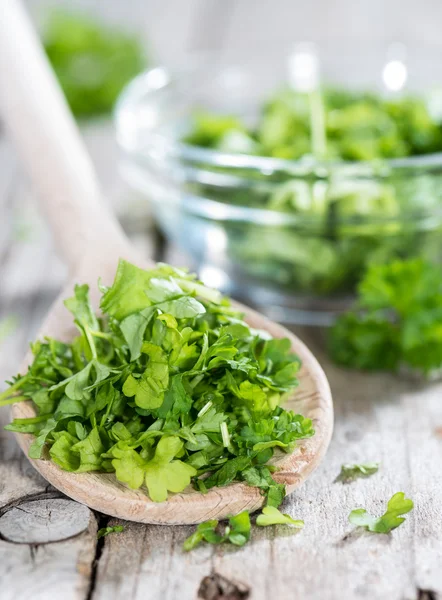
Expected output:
(358, 126)
(93, 61)
(344, 220)
(169, 387)
(396, 322)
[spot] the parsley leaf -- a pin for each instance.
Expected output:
(237, 532)
(149, 389)
(397, 505)
(272, 516)
(164, 474)
(351, 472)
(107, 530)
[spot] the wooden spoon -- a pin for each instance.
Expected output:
(91, 241)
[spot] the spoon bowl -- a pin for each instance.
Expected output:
(103, 492)
(91, 241)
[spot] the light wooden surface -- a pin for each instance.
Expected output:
(378, 417)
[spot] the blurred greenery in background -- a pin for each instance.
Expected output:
(92, 60)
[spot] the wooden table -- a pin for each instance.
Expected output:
(48, 544)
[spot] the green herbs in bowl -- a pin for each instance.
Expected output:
(234, 178)
(168, 387)
(358, 127)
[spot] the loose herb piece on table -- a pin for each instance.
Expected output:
(272, 516)
(92, 61)
(107, 530)
(237, 532)
(396, 321)
(397, 505)
(169, 386)
(351, 472)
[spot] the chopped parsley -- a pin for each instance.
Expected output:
(396, 321)
(398, 505)
(351, 472)
(236, 532)
(168, 387)
(358, 126)
(342, 222)
(272, 516)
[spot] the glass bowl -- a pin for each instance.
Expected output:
(290, 237)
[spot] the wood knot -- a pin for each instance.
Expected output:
(218, 587)
(426, 595)
(44, 520)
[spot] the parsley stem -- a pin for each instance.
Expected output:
(12, 400)
(205, 408)
(32, 420)
(317, 124)
(225, 434)
(90, 340)
(12, 388)
(100, 334)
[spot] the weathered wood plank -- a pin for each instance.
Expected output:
(59, 569)
(44, 520)
(145, 561)
(54, 570)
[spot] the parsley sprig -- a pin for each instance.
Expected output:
(168, 387)
(104, 531)
(236, 532)
(396, 322)
(350, 472)
(397, 506)
(238, 529)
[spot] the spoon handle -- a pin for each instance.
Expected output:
(49, 143)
